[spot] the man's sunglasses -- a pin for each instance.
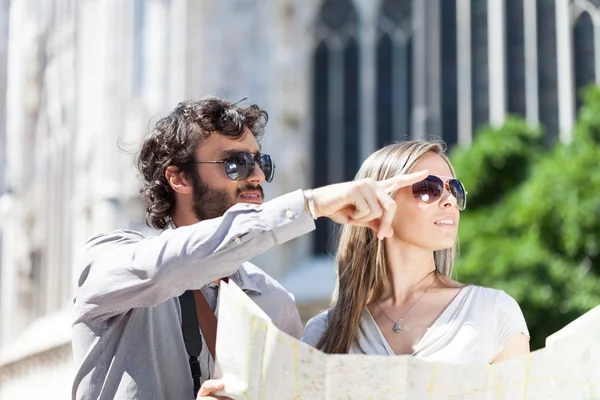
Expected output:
(431, 188)
(239, 166)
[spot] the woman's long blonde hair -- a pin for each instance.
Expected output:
(361, 258)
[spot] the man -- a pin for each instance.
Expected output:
(202, 169)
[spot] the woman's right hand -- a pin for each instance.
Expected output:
(363, 202)
(209, 387)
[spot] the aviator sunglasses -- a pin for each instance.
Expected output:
(239, 166)
(431, 188)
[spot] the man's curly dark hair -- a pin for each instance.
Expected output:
(174, 140)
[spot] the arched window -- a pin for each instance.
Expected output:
(479, 64)
(394, 71)
(584, 54)
(547, 68)
(336, 103)
(515, 57)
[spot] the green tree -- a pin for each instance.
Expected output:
(532, 224)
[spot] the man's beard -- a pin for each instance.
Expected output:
(211, 203)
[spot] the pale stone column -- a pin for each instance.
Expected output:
(564, 59)
(104, 80)
(177, 51)
(21, 33)
(86, 120)
(531, 62)
(202, 24)
(4, 7)
(156, 49)
(463, 46)
(497, 61)
(426, 70)
(368, 80)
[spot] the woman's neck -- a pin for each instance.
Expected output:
(410, 269)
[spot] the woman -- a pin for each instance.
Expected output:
(396, 296)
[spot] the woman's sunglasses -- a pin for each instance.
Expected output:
(239, 166)
(431, 188)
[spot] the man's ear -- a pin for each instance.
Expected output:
(177, 180)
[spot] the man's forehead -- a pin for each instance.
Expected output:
(229, 151)
(222, 146)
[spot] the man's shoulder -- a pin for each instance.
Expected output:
(118, 236)
(103, 244)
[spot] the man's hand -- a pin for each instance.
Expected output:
(209, 387)
(365, 202)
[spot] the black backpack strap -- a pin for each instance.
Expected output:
(191, 335)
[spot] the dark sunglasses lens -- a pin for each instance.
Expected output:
(239, 166)
(265, 163)
(428, 190)
(458, 191)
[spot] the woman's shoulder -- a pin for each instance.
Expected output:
(507, 319)
(315, 328)
(491, 295)
(503, 307)
(478, 296)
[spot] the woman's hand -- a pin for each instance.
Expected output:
(209, 387)
(364, 202)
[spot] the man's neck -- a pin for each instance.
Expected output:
(180, 219)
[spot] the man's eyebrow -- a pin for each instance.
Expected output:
(228, 152)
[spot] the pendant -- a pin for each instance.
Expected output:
(397, 327)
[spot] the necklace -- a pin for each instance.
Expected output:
(397, 327)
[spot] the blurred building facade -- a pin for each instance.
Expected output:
(82, 81)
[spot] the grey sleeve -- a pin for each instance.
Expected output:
(315, 328)
(289, 317)
(124, 270)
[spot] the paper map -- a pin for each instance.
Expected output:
(258, 361)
